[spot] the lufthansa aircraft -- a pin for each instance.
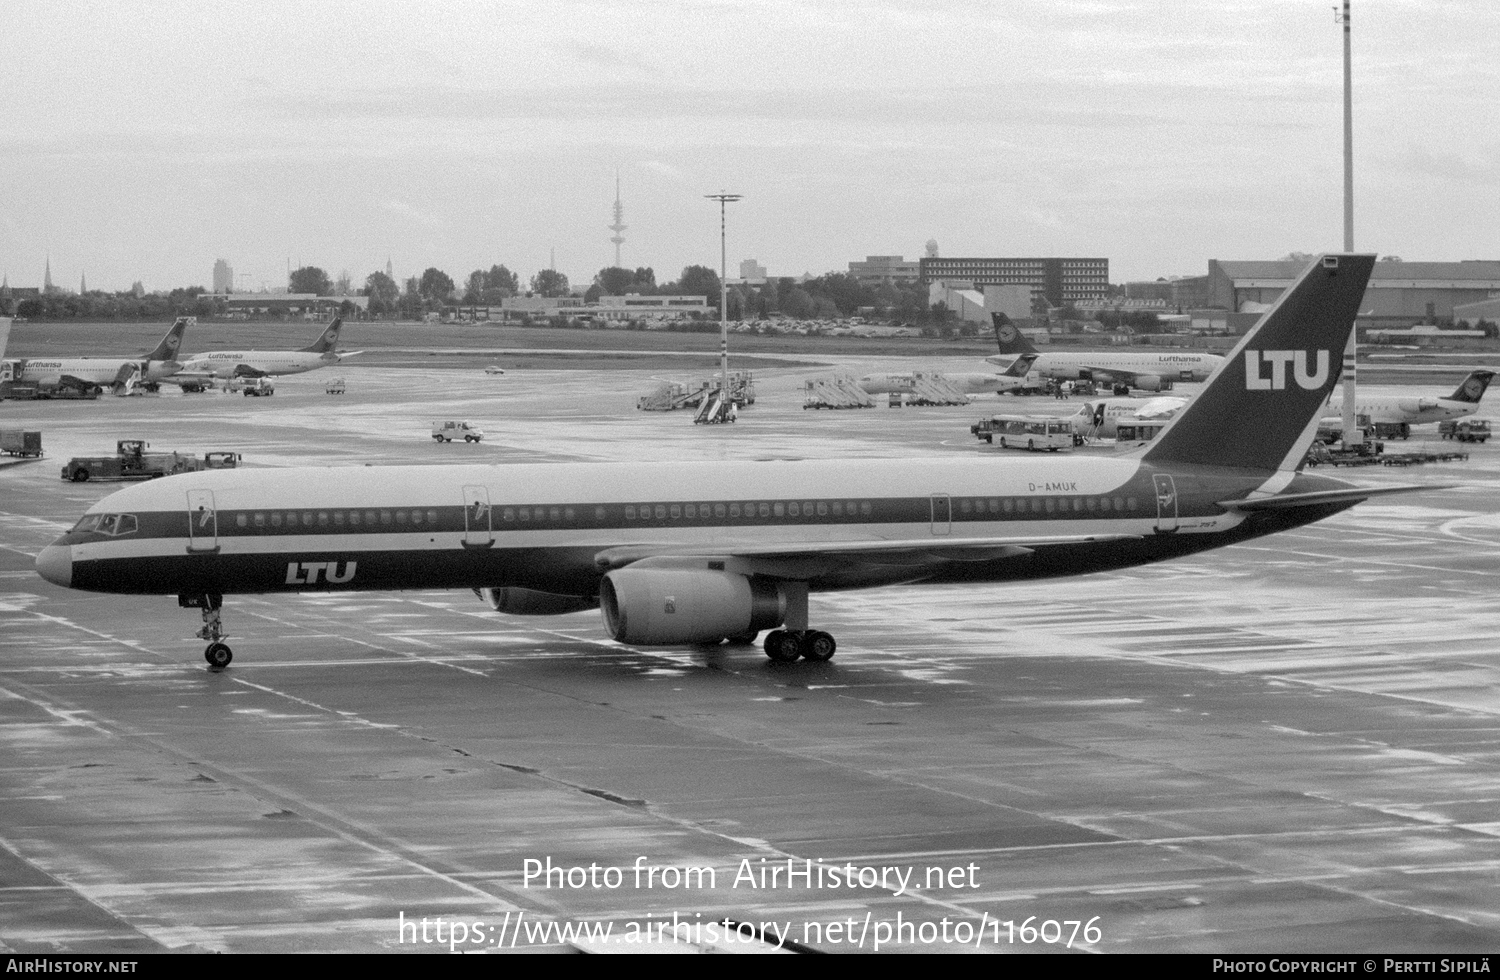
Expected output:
(697, 552)
(1123, 370)
(1416, 411)
(119, 373)
(262, 363)
(1012, 377)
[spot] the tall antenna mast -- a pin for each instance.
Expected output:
(723, 199)
(619, 225)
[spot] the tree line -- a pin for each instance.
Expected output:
(834, 294)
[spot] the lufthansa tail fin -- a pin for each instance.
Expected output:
(1260, 409)
(1009, 338)
(328, 340)
(1473, 387)
(171, 343)
(1020, 367)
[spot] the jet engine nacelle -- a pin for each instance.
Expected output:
(1150, 382)
(527, 602)
(666, 606)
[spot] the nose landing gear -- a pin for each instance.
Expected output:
(218, 653)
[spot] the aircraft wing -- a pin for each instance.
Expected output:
(1113, 373)
(794, 561)
(1352, 495)
(246, 371)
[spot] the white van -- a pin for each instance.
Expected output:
(448, 430)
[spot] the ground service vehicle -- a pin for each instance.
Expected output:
(1033, 432)
(259, 387)
(334, 387)
(450, 429)
(130, 462)
(1465, 430)
(18, 442)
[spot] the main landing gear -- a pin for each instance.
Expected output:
(785, 646)
(218, 653)
(796, 641)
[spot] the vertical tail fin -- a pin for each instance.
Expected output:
(171, 343)
(1260, 408)
(1470, 391)
(330, 337)
(1009, 338)
(1020, 367)
(4, 334)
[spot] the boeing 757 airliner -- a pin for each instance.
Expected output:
(679, 553)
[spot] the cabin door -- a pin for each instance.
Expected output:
(942, 513)
(1166, 504)
(203, 521)
(478, 530)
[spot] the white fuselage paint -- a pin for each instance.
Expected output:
(222, 363)
(968, 383)
(96, 370)
(559, 485)
(1412, 411)
(1121, 366)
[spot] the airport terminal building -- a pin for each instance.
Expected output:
(1059, 281)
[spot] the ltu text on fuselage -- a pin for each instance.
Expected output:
(679, 553)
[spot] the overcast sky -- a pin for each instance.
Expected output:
(143, 140)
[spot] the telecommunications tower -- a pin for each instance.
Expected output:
(619, 225)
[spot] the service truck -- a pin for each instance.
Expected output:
(19, 442)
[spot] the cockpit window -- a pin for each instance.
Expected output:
(112, 524)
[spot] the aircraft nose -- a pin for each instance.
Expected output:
(55, 564)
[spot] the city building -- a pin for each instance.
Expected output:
(223, 277)
(1060, 281)
(752, 272)
(885, 268)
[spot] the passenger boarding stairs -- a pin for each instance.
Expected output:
(931, 388)
(838, 391)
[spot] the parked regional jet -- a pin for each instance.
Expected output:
(262, 363)
(1012, 377)
(1418, 410)
(1124, 370)
(696, 552)
(120, 374)
(1101, 416)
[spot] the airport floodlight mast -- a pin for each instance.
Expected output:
(1350, 384)
(723, 200)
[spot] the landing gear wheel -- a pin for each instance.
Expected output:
(817, 645)
(218, 655)
(783, 646)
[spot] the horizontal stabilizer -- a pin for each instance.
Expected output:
(1352, 495)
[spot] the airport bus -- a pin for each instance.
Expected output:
(1033, 432)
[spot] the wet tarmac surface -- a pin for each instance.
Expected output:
(1292, 745)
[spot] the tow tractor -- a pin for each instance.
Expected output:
(132, 462)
